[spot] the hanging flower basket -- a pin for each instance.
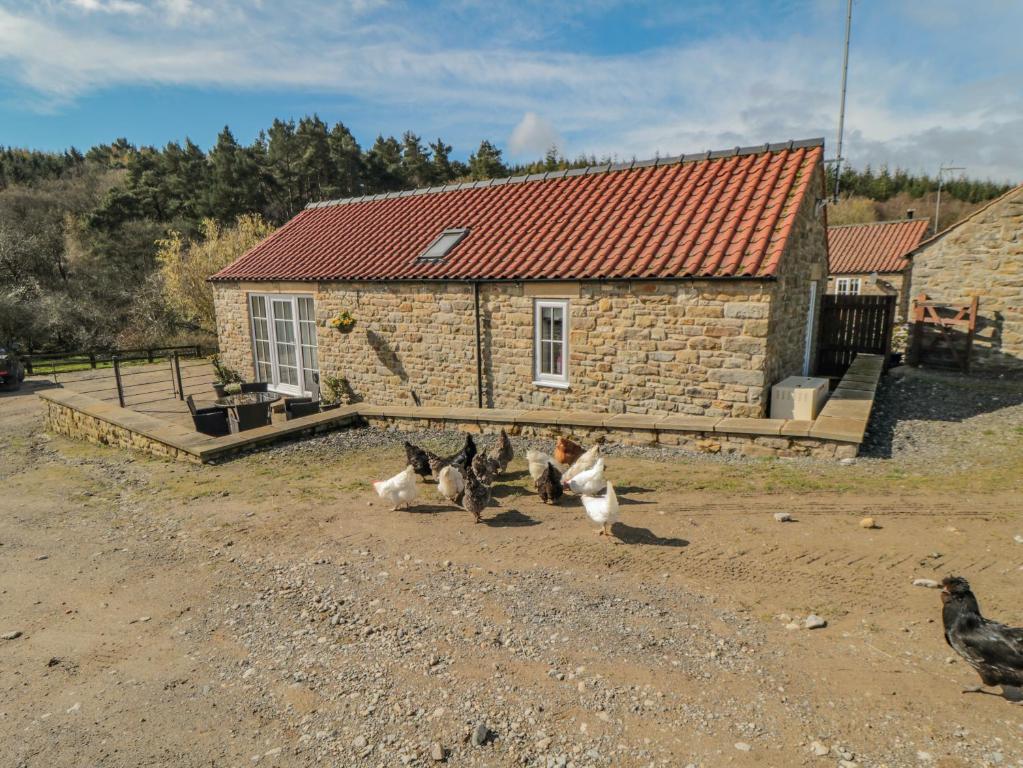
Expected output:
(343, 322)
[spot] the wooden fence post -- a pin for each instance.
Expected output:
(916, 339)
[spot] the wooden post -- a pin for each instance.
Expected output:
(889, 324)
(117, 378)
(970, 329)
(916, 339)
(92, 360)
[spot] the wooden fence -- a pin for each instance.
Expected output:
(851, 325)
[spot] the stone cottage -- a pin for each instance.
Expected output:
(678, 285)
(871, 259)
(981, 255)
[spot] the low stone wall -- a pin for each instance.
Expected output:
(772, 445)
(835, 434)
(67, 420)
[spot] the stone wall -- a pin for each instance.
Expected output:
(805, 260)
(694, 347)
(73, 422)
(982, 256)
(766, 446)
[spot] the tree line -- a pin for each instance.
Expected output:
(98, 248)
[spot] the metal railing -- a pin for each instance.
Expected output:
(130, 377)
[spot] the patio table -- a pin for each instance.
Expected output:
(231, 402)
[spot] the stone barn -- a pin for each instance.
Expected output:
(981, 255)
(678, 285)
(871, 259)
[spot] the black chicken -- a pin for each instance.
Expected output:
(548, 485)
(465, 456)
(994, 650)
(419, 459)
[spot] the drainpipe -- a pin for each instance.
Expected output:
(479, 344)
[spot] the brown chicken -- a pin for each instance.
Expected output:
(548, 485)
(476, 495)
(505, 452)
(485, 468)
(566, 452)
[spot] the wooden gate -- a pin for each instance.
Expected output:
(943, 333)
(850, 325)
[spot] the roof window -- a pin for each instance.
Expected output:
(440, 247)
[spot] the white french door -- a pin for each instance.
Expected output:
(284, 342)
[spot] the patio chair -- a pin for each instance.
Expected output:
(297, 410)
(251, 416)
(209, 421)
(254, 386)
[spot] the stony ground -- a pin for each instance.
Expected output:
(272, 611)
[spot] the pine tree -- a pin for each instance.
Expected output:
(485, 162)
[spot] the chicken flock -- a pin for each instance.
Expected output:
(465, 478)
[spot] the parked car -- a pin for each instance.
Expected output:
(12, 370)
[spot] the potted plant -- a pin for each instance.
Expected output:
(223, 376)
(336, 391)
(343, 322)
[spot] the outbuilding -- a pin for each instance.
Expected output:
(872, 259)
(981, 255)
(678, 285)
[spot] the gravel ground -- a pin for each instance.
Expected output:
(922, 416)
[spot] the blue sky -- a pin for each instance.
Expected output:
(930, 81)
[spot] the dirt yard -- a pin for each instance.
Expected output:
(273, 611)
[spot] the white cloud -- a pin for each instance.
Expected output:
(909, 106)
(533, 136)
(107, 6)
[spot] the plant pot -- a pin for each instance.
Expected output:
(220, 389)
(346, 328)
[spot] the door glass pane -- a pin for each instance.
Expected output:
(307, 337)
(286, 347)
(261, 338)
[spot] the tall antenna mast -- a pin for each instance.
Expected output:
(841, 109)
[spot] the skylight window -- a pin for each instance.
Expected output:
(440, 247)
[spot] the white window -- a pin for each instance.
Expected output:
(550, 343)
(847, 286)
(284, 342)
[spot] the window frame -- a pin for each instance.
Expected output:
(558, 381)
(294, 299)
(852, 286)
(455, 234)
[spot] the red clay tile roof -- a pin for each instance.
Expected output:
(725, 214)
(879, 247)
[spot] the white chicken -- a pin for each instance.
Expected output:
(589, 482)
(603, 509)
(451, 484)
(584, 462)
(400, 489)
(538, 461)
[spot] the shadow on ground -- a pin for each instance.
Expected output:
(908, 394)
